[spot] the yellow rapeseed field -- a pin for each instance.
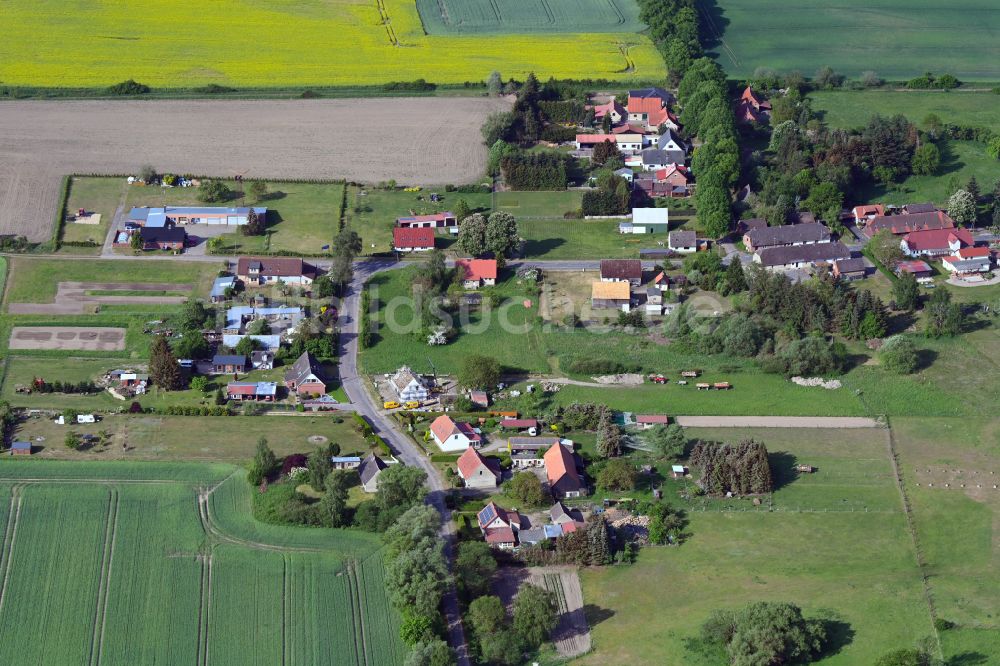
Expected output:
(177, 43)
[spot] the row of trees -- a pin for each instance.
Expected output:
(741, 468)
(674, 28)
(534, 171)
(716, 163)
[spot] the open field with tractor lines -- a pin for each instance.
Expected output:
(899, 39)
(135, 573)
(511, 16)
(305, 43)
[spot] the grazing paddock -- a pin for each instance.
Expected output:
(427, 137)
(138, 539)
(308, 43)
(899, 39)
(67, 337)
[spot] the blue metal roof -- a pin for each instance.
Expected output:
(345, 459)
(552, 531)
(221, 284)
(21, 446)
(229, 359)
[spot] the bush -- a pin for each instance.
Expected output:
(214, 89)
(129, 87)
(899, 355)
(601, 366)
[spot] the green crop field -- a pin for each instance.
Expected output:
(132, 575)
(853, 108)
(510, 16)
(899, 39)
(294, 43)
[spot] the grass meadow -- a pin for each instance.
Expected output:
(94, 195)
(289, 44)
(897, 39)
(853, 108)
(112, 551)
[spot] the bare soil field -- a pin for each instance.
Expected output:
(427, 140)
(67, 337)
(72, 298)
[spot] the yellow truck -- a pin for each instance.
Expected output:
(390, 404)
(412, 404)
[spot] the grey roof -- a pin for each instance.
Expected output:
(221, 284)
(653, 91)
(229, 359)
(910, 209)
(624, 171)
(851, 265)
(162, 234)
(788, 235)
(304, 366)
(657, 156)
(682, 238)
(345, 459)
(17, 446)
(667, 136)
(560, 514)
(532, 535)
(371, 467)
(792, 254)
(532, 443)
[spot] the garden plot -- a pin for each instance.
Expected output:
(571, 636)
(67, 337)
(77, 297)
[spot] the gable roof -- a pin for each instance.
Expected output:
(788, 234)
(618, 291)
(413, 237)
(652, 92)
(672, 170)
(444, 427)
(682, 238)
(252, 388)
(594, 139)
(519, 423)
(470, 462)
(972, 252)
(276, 266)
(621, 269)
(162, 234)
(937, 239)
(304, 366)
(668, 136)
(850, 265)
(404, 377)
(652, 418)
(477, 269)
(371, 467)
(560, 468)
(229, 359)
(911, 209)
(913, 266)
(792, 254)
(601, 109)
(657, 156)
(903, 224)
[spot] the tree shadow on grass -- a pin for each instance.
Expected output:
(595, 614)
(839, 634)
(783, 470)
(968, 658)
(540, 247)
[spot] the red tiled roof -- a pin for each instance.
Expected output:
(915, 266)
(470, 462)
(870, 209)
(588, 139)
(519, 423)
(656, 112)
(904, 224)
(936, 239)
(601, 109)
(500, 535)
(972, 252)
(560, 468)
(478, 269)
(652, 418)
(415, 237)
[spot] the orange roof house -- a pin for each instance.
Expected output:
(560, 469)
(477, 272)
(476, 471)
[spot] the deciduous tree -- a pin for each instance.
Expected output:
(535, 615)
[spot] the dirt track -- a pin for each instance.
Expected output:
(72, 298)
(428, 141)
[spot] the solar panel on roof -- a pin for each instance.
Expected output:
(487, 514)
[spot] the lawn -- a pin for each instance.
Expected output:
(539, 204)
(557, 238)
(168, 438)
(302, 217)
(138, 543)
(850, 109)
(372, 212)
(450, 17)
(289, 44)
(867, 583)
(899, 39)
(34, 280)
(94, 195)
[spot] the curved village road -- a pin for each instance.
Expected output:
(404, 448)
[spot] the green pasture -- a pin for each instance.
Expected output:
(94, 195)
(450, 17)
(897, 39)
(115, 549)
(557, 238)
(539, 204)
(853, 108)
(301, 217)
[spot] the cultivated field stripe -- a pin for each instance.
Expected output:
(103, 586)
(8, 541)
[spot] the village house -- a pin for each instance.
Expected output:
(304, 377)
(560, 515)
(450, 435)
(800, 256)
(530, 425)
(650, 107)
(612, 108)
(669, 141)
(369, 471)
(412, 239)
(280, 318)
(968, 261)
(476, 471)
(684, 241)
(909, 222)
(409, 386)
(561, 472)
(477, 273)
(156, 238)
(654, 159)
(252, 391)
(935, 242)
(751, 108)
(917, 268)
(625, 174)
(611, 295)
(672, 181)
(622, 270)
(275, 270)
(20, 448)
(647, 421)
(228, 364)
(345, 462)
(183, 215)
(862, 214)
(499, 526)
(527, 452)
(434, 221)
(585, 141)
(849, 270)
(786, 235)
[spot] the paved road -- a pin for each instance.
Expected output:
(777, 422)
(404, 448)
